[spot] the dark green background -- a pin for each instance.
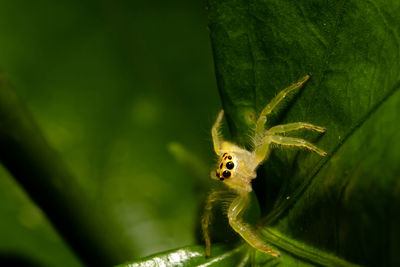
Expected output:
(111, 84)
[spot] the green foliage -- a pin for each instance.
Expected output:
(108, 98)
(344, 207)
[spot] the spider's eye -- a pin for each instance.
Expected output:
(217, 174)
(226, 174)
(230, 165)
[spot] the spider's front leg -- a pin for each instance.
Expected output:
(297, 142)
(235, 214)
(263, 138)
(290, 141)
(215, 133)
(262, 119)
(294, 126)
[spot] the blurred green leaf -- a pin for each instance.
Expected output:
(110, 84)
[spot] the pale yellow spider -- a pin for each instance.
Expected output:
(237, 167)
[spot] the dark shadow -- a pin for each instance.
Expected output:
(17, 259)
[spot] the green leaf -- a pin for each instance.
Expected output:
(192, 256)
(43, 174)
(343, 209)
(224, 256)
(346, 203)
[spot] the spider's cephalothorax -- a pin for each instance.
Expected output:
(225, 166)
(234, 170)
(237, 167)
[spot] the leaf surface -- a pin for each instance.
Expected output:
(346, 203)
(221, 256)
(191, 256)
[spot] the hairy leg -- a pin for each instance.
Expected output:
(283, 128)
(207, 217)
(261, 149)
(290, 141)
(235, 214)
(275, 101)
(215, 133)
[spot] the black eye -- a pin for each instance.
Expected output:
(217, 174)
(221, 179)
(230, 165)
(226, 174)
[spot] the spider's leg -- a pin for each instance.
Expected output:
(290, 141)
(215, 133)
(235, 214)
(283, 128)
(275, 101)
(207, 217)
(261, 148)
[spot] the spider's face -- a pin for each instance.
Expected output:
(226, 167)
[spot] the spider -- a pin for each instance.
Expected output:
(237, 167)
